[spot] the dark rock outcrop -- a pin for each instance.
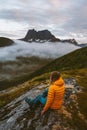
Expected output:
(83, 45)
(5, 42)
(73, 41)
(40, 36)
(43, 36)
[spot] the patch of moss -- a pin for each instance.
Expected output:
(80, 76)
(2, 102)
(42, 77)
(82, 99)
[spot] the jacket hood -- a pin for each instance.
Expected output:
(59, 82)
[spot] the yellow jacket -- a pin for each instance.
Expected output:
(55, 95)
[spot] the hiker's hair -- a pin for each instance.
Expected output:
(55, 75)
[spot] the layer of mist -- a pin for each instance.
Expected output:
(42, 50)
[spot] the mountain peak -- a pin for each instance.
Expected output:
(33, 35)
(43, 36)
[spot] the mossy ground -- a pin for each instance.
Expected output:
(80, 75)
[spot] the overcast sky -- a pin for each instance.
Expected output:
(64, 18)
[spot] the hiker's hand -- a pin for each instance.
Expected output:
(42, 112)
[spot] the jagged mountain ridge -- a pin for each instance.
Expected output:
(40, 35)
(43, 36)
(33, 35)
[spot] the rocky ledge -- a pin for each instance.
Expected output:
(43, 36)
(5, 42)
(18, 116)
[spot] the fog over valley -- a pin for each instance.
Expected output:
(42, 50)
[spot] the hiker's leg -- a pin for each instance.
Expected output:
(42, 100)
(38, 99)
(34, 101)
(45, 92)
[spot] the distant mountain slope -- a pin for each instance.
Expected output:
(74, 60)
(5, 41)
(83, 45)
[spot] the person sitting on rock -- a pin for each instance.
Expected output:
(55, 92)
(53, 96)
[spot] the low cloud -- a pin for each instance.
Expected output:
(42, 50)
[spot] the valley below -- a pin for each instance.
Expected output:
(13, 71)
(20, 59)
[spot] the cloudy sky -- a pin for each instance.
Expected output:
(64, 18)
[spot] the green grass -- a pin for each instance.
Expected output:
(81, 79)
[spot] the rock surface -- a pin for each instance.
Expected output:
(40, 36)
(5, 42)
(18, 116)
(73, 41)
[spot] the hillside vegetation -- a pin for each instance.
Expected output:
(5, 42)
(74, 60)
